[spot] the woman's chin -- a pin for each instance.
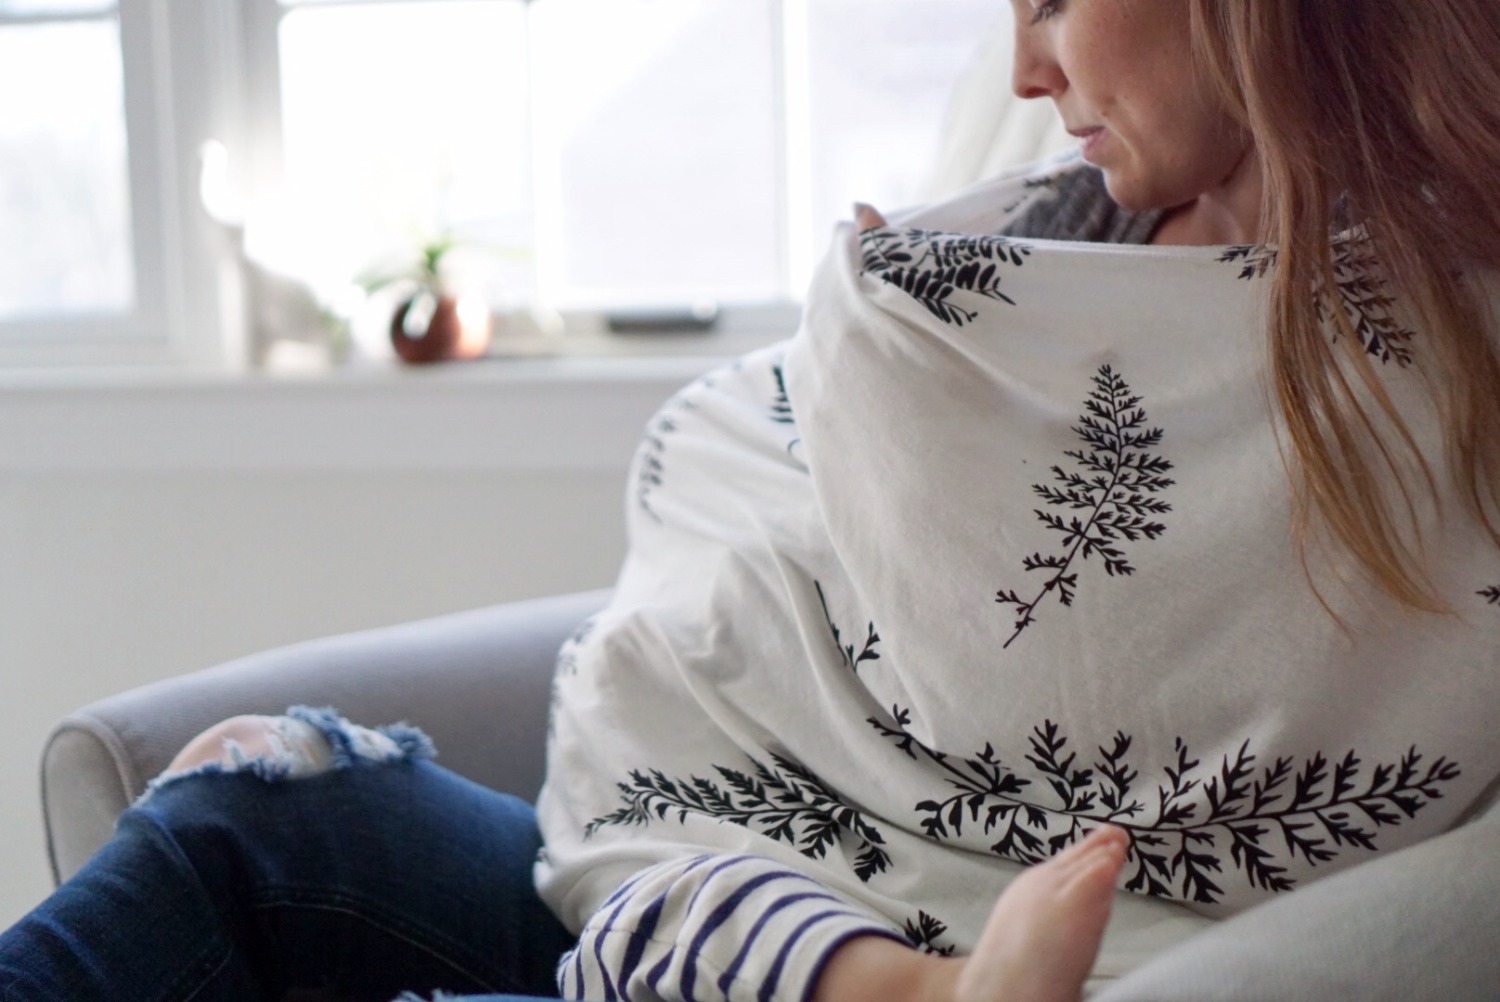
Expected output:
(1127, 193)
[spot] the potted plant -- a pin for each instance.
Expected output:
(433, 323)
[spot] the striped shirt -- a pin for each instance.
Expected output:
(712, 927)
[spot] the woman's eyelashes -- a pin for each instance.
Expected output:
(1047, 8)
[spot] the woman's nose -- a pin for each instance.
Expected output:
(1034, 72)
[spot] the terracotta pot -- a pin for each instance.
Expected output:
(435, 327)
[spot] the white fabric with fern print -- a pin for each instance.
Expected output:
(995, 550)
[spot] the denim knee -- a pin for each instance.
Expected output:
(308, 741)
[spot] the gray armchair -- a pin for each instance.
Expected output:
(1419, 924)
(476, 682)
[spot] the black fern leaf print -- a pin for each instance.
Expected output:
(1366, 297)
(787, 803)
(931, 266)
(567, 656)
(982, 782)
(1193, 828)
(1256, 261)
(651, 466)
(925, 933)
(1111, 496)
(781, 405)
(651, 456)
(1490, 594)
(852, 661)
(1364, 294)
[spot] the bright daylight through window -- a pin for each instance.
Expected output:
(583, 154)
(65, 221)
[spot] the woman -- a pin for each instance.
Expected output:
(779, 764)
(1037, 499)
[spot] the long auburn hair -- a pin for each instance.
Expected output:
(1392, 109)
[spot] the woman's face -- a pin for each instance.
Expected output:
(1123, 78)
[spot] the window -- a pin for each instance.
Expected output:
(589, 153)
(94, 256)
(65, 240)
(616, 152)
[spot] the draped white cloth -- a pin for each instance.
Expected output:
(998, 548)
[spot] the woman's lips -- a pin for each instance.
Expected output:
(1089, 141)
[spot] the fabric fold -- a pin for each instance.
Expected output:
(995, 550)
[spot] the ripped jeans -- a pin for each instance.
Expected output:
(376, 874)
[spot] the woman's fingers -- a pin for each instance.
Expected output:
(1104, 842)
(1044, 932)
(867, 218)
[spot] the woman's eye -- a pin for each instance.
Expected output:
(1044, 10)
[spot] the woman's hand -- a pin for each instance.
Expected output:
(1043, 934)
(1038, 945)
(867, 217)
(876, 969)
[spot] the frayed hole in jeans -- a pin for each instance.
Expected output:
(308, 741)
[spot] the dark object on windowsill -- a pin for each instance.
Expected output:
(699, 318)
(431, 326)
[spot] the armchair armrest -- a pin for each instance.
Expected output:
(477, 682)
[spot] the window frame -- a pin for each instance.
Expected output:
(180, 289)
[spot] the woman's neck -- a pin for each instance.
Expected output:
(1229, 214)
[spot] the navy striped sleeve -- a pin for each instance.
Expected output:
(716, 928)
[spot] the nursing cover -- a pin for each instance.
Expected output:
(998, 548)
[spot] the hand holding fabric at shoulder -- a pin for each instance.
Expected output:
(867, 217)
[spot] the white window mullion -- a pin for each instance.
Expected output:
(546, 181)
(149, 116)
(260, 155)
(191, 98)
(796, 139)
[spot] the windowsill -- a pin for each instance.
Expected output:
(575, 411)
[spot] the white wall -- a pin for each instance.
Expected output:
(152, 527)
